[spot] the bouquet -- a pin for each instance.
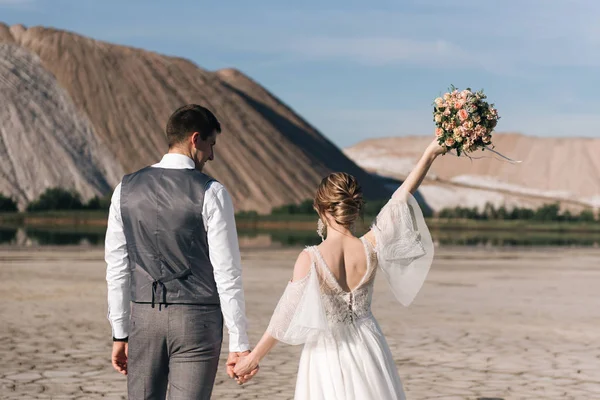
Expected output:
(464, 120)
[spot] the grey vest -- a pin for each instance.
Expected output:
(166, 239)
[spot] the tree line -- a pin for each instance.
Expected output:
(63, 199)
(57, 199)
(547, 212)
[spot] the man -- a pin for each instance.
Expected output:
(173, 268)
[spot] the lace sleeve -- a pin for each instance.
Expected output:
(403, 245)
(299, 315)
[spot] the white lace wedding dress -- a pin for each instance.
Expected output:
(345, 355)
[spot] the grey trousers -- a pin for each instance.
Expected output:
(174, 347)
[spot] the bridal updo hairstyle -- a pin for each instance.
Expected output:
(340, 196)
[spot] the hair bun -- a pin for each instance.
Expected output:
(340, 195)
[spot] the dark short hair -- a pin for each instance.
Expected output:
(189, 119)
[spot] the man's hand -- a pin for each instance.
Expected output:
(232, 359)
(119, 357)
(246, 368)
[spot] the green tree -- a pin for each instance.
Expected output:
(586, 216)
(502, 213)
(7, 204)
(489, 212)
(57, 199)
(522, 213)
(304, 208)
(99, 203)
(548, 212)
(567, 216)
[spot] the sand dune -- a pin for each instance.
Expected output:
(552, 169)
(267, 155)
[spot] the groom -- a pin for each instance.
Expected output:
(173, 268)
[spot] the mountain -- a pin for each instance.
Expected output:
(44, 140)
(552, 169)
(82, 112)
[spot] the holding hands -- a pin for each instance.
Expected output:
(242, 366)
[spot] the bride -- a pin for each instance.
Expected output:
(327, 304)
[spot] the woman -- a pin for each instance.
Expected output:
(327, 304)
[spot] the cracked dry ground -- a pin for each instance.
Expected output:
(495, 324)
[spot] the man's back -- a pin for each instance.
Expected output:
(171, 247)
(166, 238)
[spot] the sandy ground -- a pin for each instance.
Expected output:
(491, 324)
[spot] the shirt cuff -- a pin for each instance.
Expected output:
(238, 343)
(120, 330)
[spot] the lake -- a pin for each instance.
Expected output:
(94, 236)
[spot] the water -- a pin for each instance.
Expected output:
(49, 237)
(95, 237)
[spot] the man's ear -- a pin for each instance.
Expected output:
(195, 139)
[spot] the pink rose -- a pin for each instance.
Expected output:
(463, 115)
(439, 132)
(465, 93)
(449, 142)
(447, 112)
(439, 101)
(447, 96)
(459, 104)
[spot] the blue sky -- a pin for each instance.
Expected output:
(365, 69)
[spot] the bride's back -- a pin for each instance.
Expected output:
(339, 201)
(346, 259)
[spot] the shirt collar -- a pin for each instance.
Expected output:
(176, 161)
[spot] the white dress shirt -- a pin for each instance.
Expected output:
(224, 253)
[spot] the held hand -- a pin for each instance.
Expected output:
(232, 360)
(435, 149)
(246, 368)
(119, 357)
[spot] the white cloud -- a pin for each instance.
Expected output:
(502, 38)
(505, 38)
(380, 51)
